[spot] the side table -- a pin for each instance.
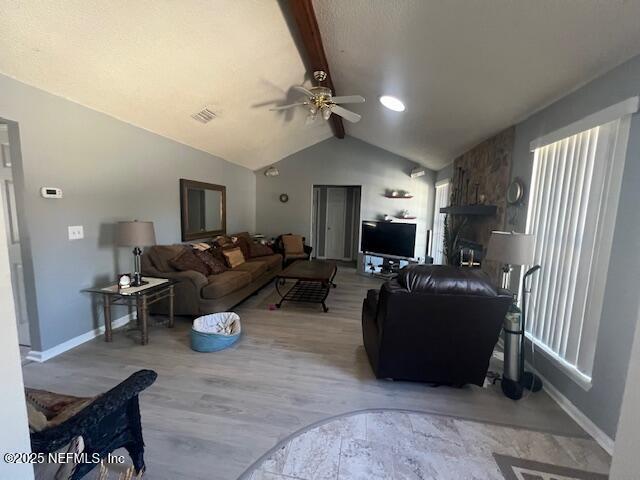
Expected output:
(155, 290)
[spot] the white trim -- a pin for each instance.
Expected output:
(37, 356)
(576, 414)
(571, 371)
(609, 114)
(439, 183)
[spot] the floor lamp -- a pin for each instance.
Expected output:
(511, 248)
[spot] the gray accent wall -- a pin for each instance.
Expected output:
(109, 171)
(342, 162)
(445, 172)
(602, 402)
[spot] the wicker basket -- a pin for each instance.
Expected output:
(214, 332)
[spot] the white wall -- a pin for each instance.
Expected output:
(626, 461)
(342, 162)
(14, 433)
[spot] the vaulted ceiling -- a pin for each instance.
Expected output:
(464, 69)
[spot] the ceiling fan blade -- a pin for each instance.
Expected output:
(303, 90)
(348, 99)
(284, 107)
(346, 114)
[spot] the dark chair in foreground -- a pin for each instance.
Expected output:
(109, 422)
(434, 323)
(292, 248)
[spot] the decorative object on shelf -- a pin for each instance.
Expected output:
(124, 281)
(515, 192)
(284, 198)
(136, 234)
(482, 198)
(513, 248)
(398, 194)
(271, 172)
(387, 218)
(405, 215)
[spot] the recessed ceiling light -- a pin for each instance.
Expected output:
(392, 103)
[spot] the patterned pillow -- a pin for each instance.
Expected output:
(259, 250)
(214, 264)
(187, 260)
(234, 257)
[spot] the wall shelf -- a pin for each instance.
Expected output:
(471, 210)
(404, 197)
(406, 218)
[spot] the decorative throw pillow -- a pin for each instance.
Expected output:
(293, 243)
(188, 261)
(245, 245)
(259, 250)
(234, 257)
(214, 264)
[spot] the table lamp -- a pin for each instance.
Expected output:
(136, 234)
(511, 248)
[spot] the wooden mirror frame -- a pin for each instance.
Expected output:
(185, 185)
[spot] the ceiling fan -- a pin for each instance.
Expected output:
(320, 100)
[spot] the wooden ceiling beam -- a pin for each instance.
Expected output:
(305, 19)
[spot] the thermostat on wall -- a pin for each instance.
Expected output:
(51, 192)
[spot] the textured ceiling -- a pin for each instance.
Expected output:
(465, 69)
(153, 63)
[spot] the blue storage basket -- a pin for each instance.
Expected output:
(208, 332)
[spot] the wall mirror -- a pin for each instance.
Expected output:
(203, 209)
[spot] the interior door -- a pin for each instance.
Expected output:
(336, 220)
(13, 237)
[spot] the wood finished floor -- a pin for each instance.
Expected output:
(210, 416)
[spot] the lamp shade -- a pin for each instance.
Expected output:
(511, 248)
(135, 234)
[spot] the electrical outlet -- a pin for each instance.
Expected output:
(76, 232)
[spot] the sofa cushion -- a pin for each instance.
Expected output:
(445, 279)
(187, 260)
(272, 261)
(225, 283)
(259, 250)
(255, 269)
(245, 246)
(161, 255)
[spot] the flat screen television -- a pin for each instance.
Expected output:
(386, 238)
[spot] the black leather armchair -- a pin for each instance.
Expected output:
(434, 323)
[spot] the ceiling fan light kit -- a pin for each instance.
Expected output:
(321, 100)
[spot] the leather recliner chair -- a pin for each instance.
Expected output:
(434, 323)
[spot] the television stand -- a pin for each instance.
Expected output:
(382, 266)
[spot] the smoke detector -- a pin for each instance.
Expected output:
(204, 116)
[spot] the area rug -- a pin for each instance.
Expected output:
(399, 445)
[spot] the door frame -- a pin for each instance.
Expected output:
(15, 148)
(354, 231)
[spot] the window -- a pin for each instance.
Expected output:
(575, 187)
(442, 200)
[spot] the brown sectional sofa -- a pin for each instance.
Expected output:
(196, 294)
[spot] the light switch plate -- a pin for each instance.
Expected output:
(76, 232)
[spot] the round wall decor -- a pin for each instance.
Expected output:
(284, 198)
(515, 192)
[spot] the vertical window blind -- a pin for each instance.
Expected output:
(570, 215)
(442, 200)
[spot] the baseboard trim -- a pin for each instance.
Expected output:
(576, 414)
(43, 356)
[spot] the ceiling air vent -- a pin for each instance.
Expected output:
(204, 116)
